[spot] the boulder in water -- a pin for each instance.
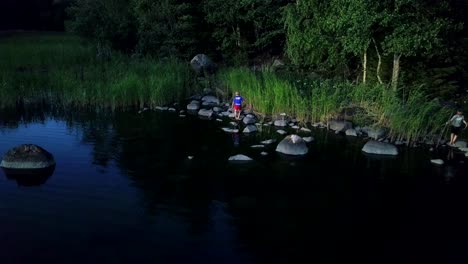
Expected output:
(460, 144)
(28, 165)
(379, 148)
(292, 145)
(250, 129)
(240, 157)
(27, 156)
(339, 125)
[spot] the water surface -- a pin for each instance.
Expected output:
(124, 191)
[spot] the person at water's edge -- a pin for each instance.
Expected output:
(456, 126)
(237, 105)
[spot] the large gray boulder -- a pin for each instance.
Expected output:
(379, 148)
(202, 64)
(27, 156)
(339, 125)
(292, 145)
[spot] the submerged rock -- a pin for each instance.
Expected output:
(205, 112)
(230, 130)
(257, 146)
(161, 108)
(437, 161)
(268, 141)
(460, 144)
(281, 132)
(240, 157)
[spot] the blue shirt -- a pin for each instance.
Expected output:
(238, 100)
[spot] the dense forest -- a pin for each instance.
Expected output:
(417, 42)
(420, 42)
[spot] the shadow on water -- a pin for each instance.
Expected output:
(333, 204)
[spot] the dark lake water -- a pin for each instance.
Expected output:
(124, 191)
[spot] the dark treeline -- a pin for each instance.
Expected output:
(233, 31)
(33, 14)
(394, 42)
(417, 43)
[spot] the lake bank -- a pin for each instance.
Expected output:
(65, 70)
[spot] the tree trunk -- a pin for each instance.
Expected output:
(238, 35)
(379, 63)
(364, 67)
(396, 71)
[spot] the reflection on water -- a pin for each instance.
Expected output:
(26, 178)
(125, 191)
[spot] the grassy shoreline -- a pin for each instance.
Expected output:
(313, 100)
(66, 70)
(77, 73)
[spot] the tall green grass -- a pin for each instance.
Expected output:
(412, 119)
(64, 69)
(320, 100)
(269, 94)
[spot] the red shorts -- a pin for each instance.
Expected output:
(237, 107)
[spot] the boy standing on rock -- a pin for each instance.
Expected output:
(237, 105)
(456, 126)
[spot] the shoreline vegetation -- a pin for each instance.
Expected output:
(66, 70)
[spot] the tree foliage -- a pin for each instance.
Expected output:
(351, 37)
(325, 34)
(247, 27)
(310, 42)
(166, 27)
(107, 21)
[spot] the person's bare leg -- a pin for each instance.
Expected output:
(451, 138)
(454, 139)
